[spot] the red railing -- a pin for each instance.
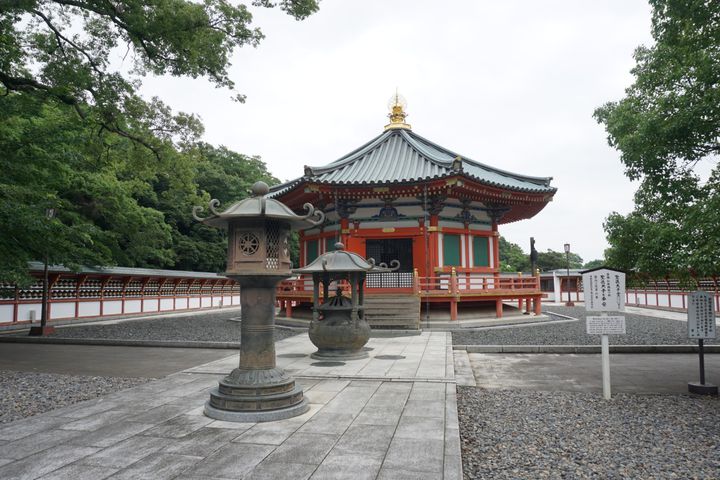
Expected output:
(450, 285)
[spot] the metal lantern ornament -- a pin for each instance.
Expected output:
(258, 258)
(338, 327)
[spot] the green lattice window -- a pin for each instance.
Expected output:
(330, 244)
(312, 251)
(451, 250)
(481, 252)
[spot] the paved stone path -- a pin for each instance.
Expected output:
(391, 416)
(629, 373)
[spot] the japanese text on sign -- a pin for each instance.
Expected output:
(605, 325)
(604, 291)
(701, 315)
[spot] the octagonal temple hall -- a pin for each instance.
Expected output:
(402, 197)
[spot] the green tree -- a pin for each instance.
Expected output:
(122, 171)
(552, 260)
(221, 174)
(665, 126)
(512, 257)
(65, 49)
(594, 264)
(97, 183)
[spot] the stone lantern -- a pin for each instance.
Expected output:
(338, 327)
(258, 258)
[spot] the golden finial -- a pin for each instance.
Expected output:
(397, 104)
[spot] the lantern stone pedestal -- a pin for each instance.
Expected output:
(257, 391)
(258, 258)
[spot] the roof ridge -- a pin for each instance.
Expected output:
(517, 176)
(353, 155)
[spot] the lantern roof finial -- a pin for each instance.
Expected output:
(259, 189)
(397, 115)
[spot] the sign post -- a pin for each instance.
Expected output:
(701, 325)
(604, 292)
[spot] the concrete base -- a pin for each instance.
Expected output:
(256, 417)
(703, 388)
(339, 355)
(41, 331)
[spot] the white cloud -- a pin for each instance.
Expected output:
(512, 84)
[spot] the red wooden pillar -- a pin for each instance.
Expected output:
(16, 304)
(498, 308)
(174, 293)
(160, 286)
(538, 305)
(103, 284)
(433, 257)
(496, 255)
(454, 294)
(79, 280)
(51, 283)
(288, 308)
(345, 231)
(124, 292)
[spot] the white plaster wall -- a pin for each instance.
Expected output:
(440, 249)
(390, 224)
(446, 224)
(89, 309)
(24, 310)
(236, 300)
(205, 302)
(491, 251)
(166, 304)
(112, 307)
(6, 313)
(479, 227)
(62, 310)
(133, 306)
(227, 300)
(216, 301)
(194, 302)
(150, 305)
(181, 303)
(676, 301)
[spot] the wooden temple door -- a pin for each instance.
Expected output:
(385, 251)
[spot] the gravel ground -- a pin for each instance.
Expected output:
(641, 330)
(519, 434)
(204, 327)
(24, 394)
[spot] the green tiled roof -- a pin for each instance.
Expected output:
(400, 156)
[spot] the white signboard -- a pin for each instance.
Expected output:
(701, 315)
(604, 291)
(605, 325)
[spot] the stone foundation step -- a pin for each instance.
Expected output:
(396, 311)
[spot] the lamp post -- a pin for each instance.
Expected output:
(569, 302)
(43, 329)
(258, 258)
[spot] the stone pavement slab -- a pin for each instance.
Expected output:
(106, 361)
(629, 373)
(392, 415)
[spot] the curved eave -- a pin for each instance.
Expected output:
(400, 156)
(545, 181)
(539, 189)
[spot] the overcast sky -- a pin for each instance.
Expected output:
(510, 83)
